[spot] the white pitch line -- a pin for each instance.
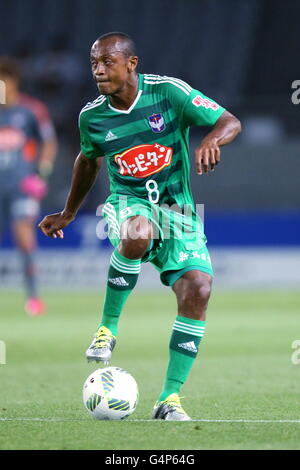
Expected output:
(296, 421)
(258, 421)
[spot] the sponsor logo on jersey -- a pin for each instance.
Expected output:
(157, 122)
(193, 255)
(190, 346)
(110, 136)
(205, 102)
(144, 160)
(11, 139)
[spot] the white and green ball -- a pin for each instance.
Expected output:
(110, 393)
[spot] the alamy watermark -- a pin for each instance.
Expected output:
(296, 94)
(2, 92)
(168, 222)
(295, 357)
(2, 353)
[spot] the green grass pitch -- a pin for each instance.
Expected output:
(243, 372)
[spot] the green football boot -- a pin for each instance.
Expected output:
(170, 409)
(102, 346)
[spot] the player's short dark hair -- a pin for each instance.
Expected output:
(129, 44)
(9, 68)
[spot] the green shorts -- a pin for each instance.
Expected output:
(179, 243)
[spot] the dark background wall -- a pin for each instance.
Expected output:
(246, 48)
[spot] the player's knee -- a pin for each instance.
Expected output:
(137, 228)
(198, 291)
(133, 249)
(136, 235)
(204, 292)
(202, 289)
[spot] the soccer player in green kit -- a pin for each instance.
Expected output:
(140, 124)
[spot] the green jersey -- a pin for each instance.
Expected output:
(146, 146)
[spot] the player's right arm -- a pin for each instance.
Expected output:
(85, 172)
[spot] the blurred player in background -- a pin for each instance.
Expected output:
(140, 123)
(27, 151)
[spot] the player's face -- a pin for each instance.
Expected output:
(110, 67)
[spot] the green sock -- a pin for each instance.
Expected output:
(123, 274)
(184, 345)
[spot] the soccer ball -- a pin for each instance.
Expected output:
(110, 393)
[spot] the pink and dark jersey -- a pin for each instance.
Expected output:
(40, 110)
(20, 139)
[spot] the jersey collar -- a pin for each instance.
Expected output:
(127, 111)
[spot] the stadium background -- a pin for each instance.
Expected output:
(243, 53)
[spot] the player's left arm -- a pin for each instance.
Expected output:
(208, 154)
(194, 108)
(49, 145)
(48, 155)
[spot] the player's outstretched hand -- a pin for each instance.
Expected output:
(52, 225)
(207, 155)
